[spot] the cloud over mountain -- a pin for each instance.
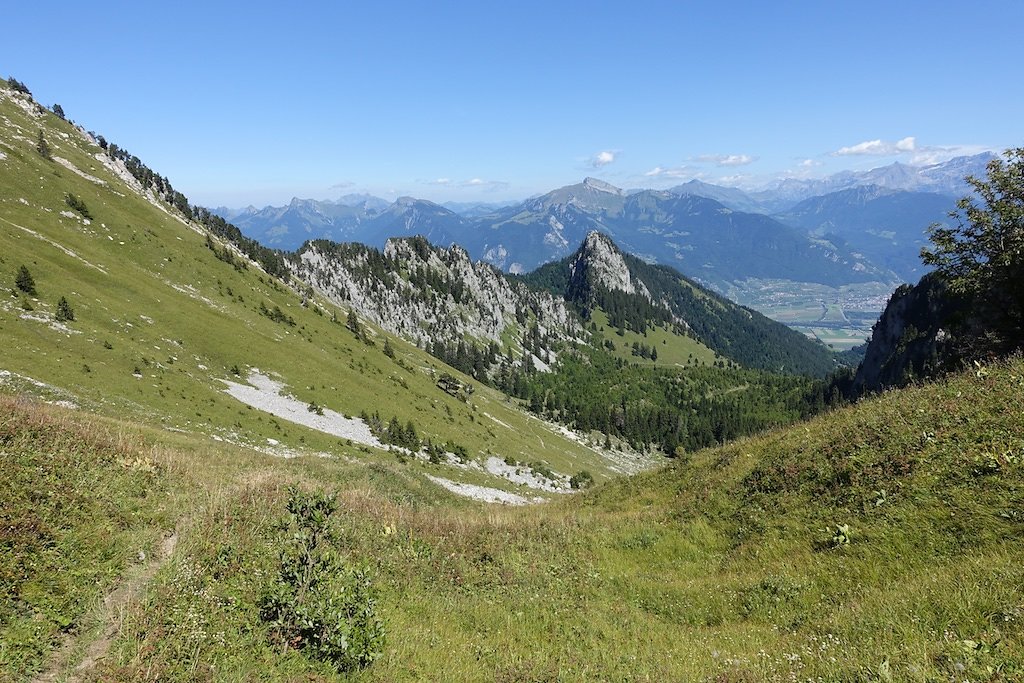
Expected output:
(878, 148)
(603, 158)
(726, 159)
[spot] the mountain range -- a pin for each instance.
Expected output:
(848, 228)
(430, 295)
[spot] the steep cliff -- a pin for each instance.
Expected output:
(922, 332)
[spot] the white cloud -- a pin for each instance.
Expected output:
(726, 159)
(925, 156)
(673, 172)
(809, 163)
(878, 148)
(907, 144)
(440, 181)
(603, 158)
(736, 179)
(485, 185)
(343, 185)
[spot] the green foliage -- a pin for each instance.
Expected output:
(24, 280)
(18, 86)
(59, 111)
(74, 497)
(225, 254)
(277, 315)
(317, 603)
(352, 323)
(668, 407)
(982, 256)
(581, 480)
(43, 147)
(841, 536)
(64, 311)
(76, 204)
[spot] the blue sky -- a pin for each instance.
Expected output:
(491, 101)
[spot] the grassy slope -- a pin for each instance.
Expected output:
(673, 349)
(144, 283)
(722, 567)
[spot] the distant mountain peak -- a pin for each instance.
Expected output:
(601, 186)
(368, 201)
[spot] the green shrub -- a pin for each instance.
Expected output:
(582, 480)
(318, 603)
(76, 204)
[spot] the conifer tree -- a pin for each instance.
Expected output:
(64, 311)
(24, 280)
(43, 147)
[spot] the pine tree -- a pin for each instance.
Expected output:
(43, 147)
(353, 322)
(64, 311)
(24, 281)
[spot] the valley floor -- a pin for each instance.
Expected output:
(839, 317)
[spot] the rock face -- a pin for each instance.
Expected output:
(432, 295)
(599, 263)
(913, 338)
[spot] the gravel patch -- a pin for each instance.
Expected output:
(522, 474)
(483, 493)
(264, 393)
(50, 322)
(74, 169)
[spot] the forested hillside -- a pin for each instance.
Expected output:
(737, 333)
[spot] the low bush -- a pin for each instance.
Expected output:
(318, 603)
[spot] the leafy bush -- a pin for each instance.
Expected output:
(276, 314)
(18, 86)
(583, 479)
(318, 603)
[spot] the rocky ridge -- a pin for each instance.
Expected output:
(428, 294)
(599, 261)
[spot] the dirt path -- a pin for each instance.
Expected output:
(110, 615)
